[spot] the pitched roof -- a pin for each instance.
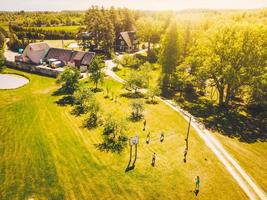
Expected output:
(67, 55)
(88, 57)
(77, 55)
(60, 54)
(129, 37)
(39, 46)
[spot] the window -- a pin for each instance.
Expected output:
(122, 42)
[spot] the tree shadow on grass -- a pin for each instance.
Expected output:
(133, 95)
(234, 121)
(97, 90)
(59, 92)
(65, 100)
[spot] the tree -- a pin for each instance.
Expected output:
(137, 110)
(96, 70)
(81, 98)
(2, 46)
(114, 139)
(230, 56)
(181, 79)
(135, 81)
(258, 96)
(169, 56)
(93, 107)
(145, 71)
(101, 29)
(69, 79)
(152, 92)
(128, 61)
(149, 30)
(127, 19)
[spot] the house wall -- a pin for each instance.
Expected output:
(37, 69)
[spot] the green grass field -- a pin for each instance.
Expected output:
(251, 156)
(243, 152)
(58, 43)
(59, 28)
(45, 152)
(125, 72)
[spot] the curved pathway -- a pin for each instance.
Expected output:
(252, 190)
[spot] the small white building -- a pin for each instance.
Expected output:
(35, 52)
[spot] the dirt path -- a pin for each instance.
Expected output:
(252, 190)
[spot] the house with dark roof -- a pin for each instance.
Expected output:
(126, 42)
(79, 59)
(39, 53)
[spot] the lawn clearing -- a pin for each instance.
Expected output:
(59, 28)
(45, 153)
(124, 72)
(59, 43)
(251, 156)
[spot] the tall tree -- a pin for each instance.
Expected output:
(95, 70)
(2, 46)
(149, 30)
(230, 56)
(100, 27)
(127, 19)
(169, 56)
(69, 80)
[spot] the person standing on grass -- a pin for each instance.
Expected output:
(148, 138)
(197, 183)
(144, 128)
(162, 137)
(153, 159)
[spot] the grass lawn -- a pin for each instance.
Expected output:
(59, 28)
(45, 153)
(4, 26)
(124, 72)
(251, 156)
(58, 43)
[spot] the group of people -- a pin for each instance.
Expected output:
(153, 163)
(148, 135)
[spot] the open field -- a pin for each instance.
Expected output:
(58, 43)
(5, 26)
(125, 72)
(46, 153)
(59, 28)
(252, 156)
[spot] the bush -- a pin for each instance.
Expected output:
(137, 110)
(152, 92)
(113, 136)
(81, 97)
(69, 79)
(152, 56)
(92, 120)
(129, 61)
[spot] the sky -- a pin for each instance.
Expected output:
(57, 5)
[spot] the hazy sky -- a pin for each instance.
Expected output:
(56, 5)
